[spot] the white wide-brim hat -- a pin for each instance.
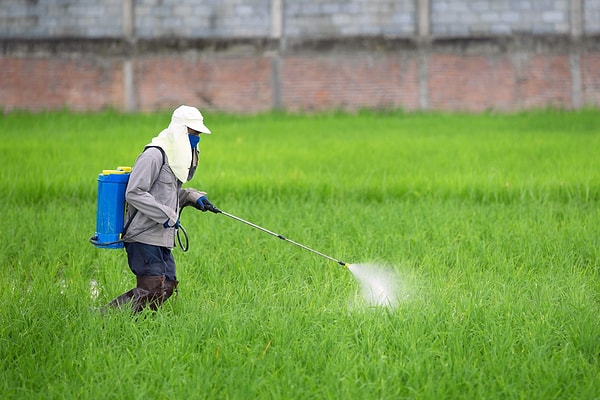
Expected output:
(190, 117)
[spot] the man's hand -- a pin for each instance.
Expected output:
(204, 205)
(175, 225)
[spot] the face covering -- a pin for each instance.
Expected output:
(194, 140)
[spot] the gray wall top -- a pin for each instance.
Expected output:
(297, 18)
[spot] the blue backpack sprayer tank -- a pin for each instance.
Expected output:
(110, 213)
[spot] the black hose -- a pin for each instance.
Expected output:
(94, 239)
(187, 239)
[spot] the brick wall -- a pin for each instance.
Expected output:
(53, 83)
(349, 81)
(235, 84)
(256, 55)
(467, 79)
(487, 81)
(590, 66)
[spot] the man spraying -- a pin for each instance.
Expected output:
(155, 197)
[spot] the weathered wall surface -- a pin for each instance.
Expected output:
(256, 55)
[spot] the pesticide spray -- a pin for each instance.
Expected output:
(380, 286)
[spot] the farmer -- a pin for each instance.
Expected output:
(155, 198)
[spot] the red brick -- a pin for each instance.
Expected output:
(590, 71)
(349, 82)
(470, 83)
(45, 84)
(232, 84)
(544, 81)
(335, 80)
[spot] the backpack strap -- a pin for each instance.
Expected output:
(164, 158)
(161, 152)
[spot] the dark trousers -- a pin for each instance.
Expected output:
(149, 260)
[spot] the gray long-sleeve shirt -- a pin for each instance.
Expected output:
(154, 196)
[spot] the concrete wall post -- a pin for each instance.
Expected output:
(130, 100)
(424, 39)
(576, 11)
(277, 35)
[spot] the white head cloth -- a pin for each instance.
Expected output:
(174, 140)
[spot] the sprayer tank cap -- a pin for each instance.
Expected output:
(113, 172)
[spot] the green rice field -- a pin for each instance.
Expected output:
(489, 225)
